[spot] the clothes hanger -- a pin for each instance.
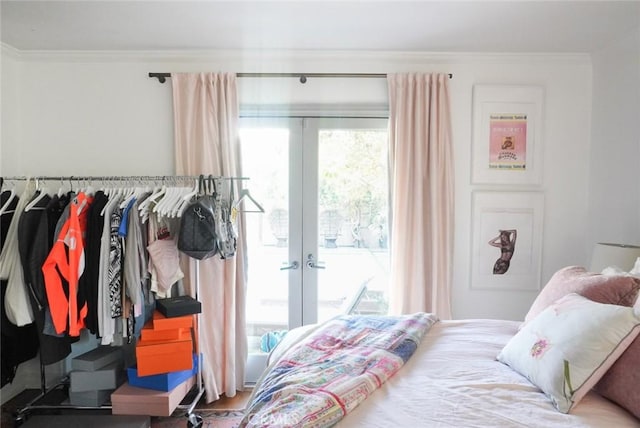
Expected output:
(173, 210)
(166, 201)
(135, 193)
(61, 188)
(41, 193)
(186, 199)
(128, 195)
(168, 195)
(88, 188)
(114, 198)
(157, 193)
(12, 195)
(171, 199)
(244, 194)
(145, 206)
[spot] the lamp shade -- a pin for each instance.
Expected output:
(620, 255)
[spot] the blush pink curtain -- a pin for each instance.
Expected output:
(206, 142)
(422, 189)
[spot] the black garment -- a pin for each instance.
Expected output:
(88, 282)
(35, 243)
(34, 248)
(54, 211)
(19, 344)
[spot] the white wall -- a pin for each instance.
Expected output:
(614, 183)
(96, 114)
(9, 107)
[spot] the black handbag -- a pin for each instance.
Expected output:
(197, 237)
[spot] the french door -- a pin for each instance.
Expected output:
(320, 248)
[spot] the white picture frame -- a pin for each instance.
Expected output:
(507, 135)
(496, 215)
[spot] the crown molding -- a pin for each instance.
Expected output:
(264, 57)
(8, 50)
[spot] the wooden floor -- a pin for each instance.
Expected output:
(238, 402)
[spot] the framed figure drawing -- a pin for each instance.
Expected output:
(507, 240)
(507, 129)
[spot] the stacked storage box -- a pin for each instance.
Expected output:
(165, 370)
(165, 345)
(95, 375)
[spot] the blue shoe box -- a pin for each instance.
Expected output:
(161, 382)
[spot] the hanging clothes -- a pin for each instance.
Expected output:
(18, 344)
(65, 265)
(89, 281)
(115, 265)
(88, 262)
(136, 277)
(57, 214)
(127, 290)
(107, 326)
(164, 258)
(34, 243)
(17, 306)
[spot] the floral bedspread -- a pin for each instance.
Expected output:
(328, 373)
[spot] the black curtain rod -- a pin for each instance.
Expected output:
(162, 77)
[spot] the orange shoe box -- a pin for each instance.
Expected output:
(149, 333)
(130, 400)
(158, 357)
(160, 322)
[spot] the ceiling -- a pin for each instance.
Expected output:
(418, 26)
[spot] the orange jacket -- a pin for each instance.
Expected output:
(66, 263)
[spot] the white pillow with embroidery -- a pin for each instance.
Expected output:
(570, 345)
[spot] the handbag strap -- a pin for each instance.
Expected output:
(201, 186)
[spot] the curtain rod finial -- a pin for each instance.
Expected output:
(162, 77)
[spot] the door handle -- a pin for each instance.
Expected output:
(311, 264)
(294, 265)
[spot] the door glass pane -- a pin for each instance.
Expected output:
(265, 160)
(352, 222)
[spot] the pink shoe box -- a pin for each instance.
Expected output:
(130, 400)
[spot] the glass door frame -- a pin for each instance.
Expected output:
(303, 203)
(295, 194)
(310, 202)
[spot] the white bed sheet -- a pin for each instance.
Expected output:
(454, 380)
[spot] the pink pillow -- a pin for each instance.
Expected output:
(621, 383)
(611, 289)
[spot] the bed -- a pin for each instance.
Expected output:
(454, 380)
(462, 375)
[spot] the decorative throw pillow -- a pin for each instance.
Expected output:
(566, 349)
(613, 289)
(621, 384)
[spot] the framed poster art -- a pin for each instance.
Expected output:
(506, 240)
(507, 146)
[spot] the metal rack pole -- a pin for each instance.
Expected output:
(116, 177)
(194, 420)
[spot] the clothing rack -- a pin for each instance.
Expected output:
(106, 178)
(193, 420)
(162, 77)
(243, 193)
